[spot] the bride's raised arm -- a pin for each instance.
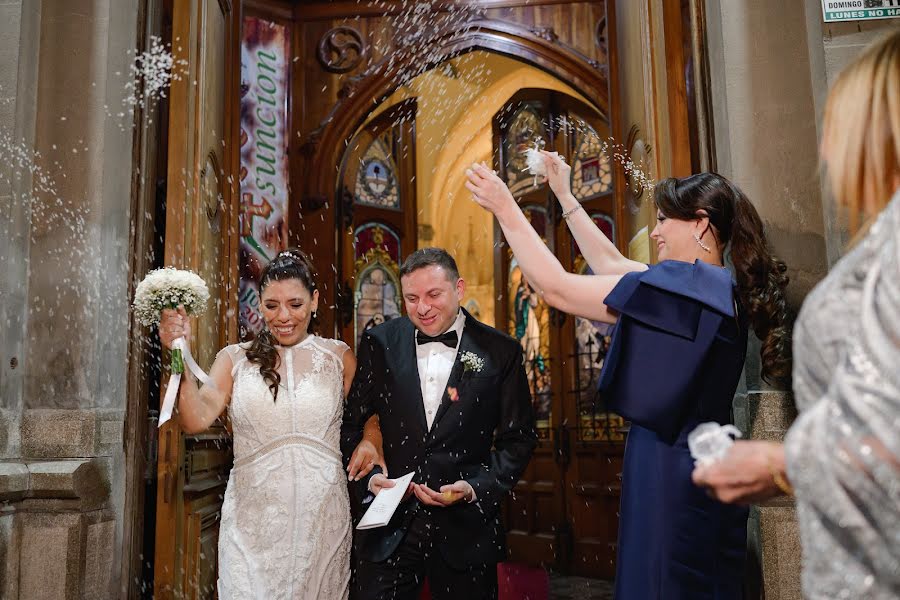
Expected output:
(198, 406)
(598, 250)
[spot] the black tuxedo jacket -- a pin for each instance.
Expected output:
(485, 436)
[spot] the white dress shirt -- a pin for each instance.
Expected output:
(435, 361)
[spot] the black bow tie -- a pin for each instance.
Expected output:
(448, 339)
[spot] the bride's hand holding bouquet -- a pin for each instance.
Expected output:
(166, 297)
(174, 323)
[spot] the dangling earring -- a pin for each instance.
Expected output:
(701, 244)
(314, 314)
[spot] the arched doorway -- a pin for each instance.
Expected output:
(564, 512)
(572, 46)
(356, 95)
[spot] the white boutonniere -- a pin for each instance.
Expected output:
(471, 362)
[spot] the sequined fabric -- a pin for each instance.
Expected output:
(843, 452)
(285, 530)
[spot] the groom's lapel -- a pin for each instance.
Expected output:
(458, 374)
(408, 371)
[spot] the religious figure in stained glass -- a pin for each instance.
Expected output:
(377, 283)
(530, 324)
(528, 332)
(378, 300)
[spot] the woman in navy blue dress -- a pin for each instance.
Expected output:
(675, 359)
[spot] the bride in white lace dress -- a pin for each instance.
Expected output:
(285, 531)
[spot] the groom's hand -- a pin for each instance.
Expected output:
(380, 482)
(449, 495)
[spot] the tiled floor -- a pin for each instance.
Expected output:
(579, 588)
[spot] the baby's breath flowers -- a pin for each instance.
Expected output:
(169, 288)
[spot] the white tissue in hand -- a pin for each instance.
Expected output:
(534, 161)
(710, 442)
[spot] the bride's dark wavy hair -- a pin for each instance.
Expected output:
(761, 278)
(287, 264)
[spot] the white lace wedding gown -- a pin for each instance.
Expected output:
(285, 529)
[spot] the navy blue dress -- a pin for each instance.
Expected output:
(675, 359)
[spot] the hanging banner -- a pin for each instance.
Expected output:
(265, 127)
(859, 10)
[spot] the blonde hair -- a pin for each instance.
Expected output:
(861, 130)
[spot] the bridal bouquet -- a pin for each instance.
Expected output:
(169, 288)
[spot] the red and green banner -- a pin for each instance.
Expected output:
(265, 130)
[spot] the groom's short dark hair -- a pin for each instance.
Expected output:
(427, 257)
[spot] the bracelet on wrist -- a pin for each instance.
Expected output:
(779, 479)
(571, 212)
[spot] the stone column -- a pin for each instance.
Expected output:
(64, 306)
(773, 537)
(765, 115)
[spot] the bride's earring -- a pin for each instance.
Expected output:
(315, 312)
(701, 244)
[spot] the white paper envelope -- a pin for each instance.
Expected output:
(385, 503)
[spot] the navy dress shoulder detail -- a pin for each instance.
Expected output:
(675, 359)
(669, 318)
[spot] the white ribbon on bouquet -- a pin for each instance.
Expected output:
(175, 380)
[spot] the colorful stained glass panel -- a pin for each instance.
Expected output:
(595, 421)
(376, 180)
(591, 167)
(529, 322)
(377, 293)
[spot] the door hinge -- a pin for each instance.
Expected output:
(565, 546)
(152, 445)
(561, 446)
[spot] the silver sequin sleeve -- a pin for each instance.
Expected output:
(843, 451)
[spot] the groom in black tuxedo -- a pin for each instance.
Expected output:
(455, 408)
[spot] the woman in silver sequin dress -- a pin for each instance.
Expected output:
(842, 455)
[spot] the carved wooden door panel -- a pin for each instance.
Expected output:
(201, 225)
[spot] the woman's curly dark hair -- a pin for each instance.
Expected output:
(761, 277)
(287, 264)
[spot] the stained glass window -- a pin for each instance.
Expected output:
(376, 180)
(595, 421)
(591, 169)
(606, 224)
(526, 130)
(529, 322)
(377, 293)
(372, 236)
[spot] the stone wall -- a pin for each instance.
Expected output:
(64, 275)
